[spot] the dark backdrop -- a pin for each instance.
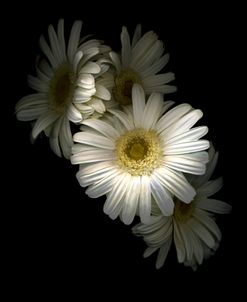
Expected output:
(55, 234)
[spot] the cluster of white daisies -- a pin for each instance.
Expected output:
(140, 151)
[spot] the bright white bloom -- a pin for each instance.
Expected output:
(66, 87)
(141, 154)
(192, 226)
(139, 62)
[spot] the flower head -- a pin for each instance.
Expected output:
(141, 153)
(192, 226)
(140, 62)
(66, 87)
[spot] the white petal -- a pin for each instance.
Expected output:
(137, 35)
(74, 40)
(209, 169)
(149, 251)
(183, 124)
(115, 196)
(126, 49)
(93, 156)
(30, 114)
(145, 199)
(156, 66)
(37, 84)
(214, 206)
(104, 186)
(73, 114)
(98, 105)
(86, 81)
(188, 147)
(185, 234)
(158, 80)
(116, 61)
(161, 196)
(152, 110)
(208, 222)
(138, 102)
(191, 135)
(172, 116)
(102, 127)
(163, 252)
(90, 67)
(55, 46)
(179, 244)
(89, 179)
(54, 142)
(176, 183)
(186, 165)
(94, 140)
(47, 51)
(102, 92)
(65, 138)
(45, 120)
(202, 232)
(125, 120)
(60, 34)
(131, 200)
(211, 187)
(31, 101)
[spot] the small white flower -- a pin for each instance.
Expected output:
(66, 85)
(139, 62)
(192, 226)
(140, 153)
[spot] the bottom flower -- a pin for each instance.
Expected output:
(192, 226)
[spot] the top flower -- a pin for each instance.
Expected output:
(140, 61)
(66, 87)
(142, 155)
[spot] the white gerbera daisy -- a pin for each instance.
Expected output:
(139, 62)
(141, 154)
(192, 226)
(66, 88)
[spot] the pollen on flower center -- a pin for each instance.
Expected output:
(123, 86)
(139, 151)
(183, 211)
(61, 88)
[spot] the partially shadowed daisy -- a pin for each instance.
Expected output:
(140, 62)
(192, 226)
(142, 154)
(66, 87)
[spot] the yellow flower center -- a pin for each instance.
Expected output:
(139, 151)
(183, 211)
(61, 88)
(123, 86)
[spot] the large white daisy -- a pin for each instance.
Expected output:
(139, 154)
(192, 226)
(140, 62)
(66, 85)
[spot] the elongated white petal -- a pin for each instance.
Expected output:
(138, 100)
(145, 199)
(214, 206)
(102, 127)
(94, 140)
(152, 110)
(176, 183)
(45, 120)
(131, 200)
(161, 196)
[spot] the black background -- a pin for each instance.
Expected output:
(54, 234)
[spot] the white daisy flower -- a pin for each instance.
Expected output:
(192, 226)
(139, 62)
(66, 85)
(141, 154)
